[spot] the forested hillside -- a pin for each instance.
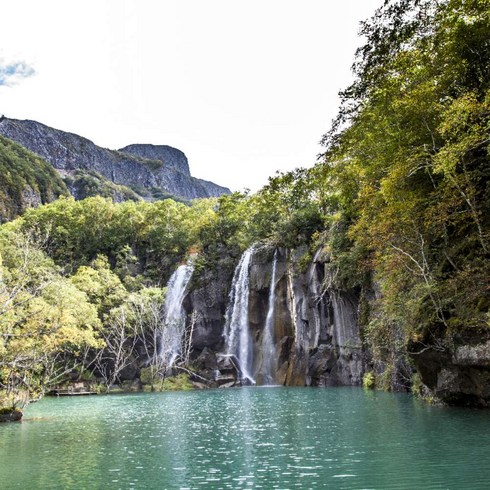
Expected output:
(399, 204)
(408, 155)
(25, 180)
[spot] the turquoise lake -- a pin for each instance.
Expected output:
(284, 438)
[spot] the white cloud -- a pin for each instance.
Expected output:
(14, 72)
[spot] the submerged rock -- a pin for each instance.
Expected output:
(14, 415)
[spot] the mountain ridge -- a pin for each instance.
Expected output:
(149, 170)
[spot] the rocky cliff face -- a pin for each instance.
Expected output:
(328, 328)
(208, 300)
(161, 155)
(315, 330)
(147, 169)
(283, 322)
(316, 334)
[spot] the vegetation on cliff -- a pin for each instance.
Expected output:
(25, 180)
(83, 184)
(401, 198)
(80, 288)
(409, 158)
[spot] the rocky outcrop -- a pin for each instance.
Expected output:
(13, 415)
(328, 328)
(283, 320)
(456, 375)
(160, 155)
(146, 169)
(327, 349)
(207, 302)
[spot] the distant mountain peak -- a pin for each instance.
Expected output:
(166, 154)
(152, 171)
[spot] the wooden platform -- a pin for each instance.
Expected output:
(71, 393)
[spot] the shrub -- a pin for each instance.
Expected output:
(369, 381)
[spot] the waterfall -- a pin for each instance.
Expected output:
(174, 325)
(238, 341)
(269, 361)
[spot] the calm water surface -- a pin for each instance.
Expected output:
(268, 438)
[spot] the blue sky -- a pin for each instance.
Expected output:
(244, 87)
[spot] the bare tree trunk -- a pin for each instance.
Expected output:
(187, 339)
(120, 342)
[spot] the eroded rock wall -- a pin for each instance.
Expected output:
(327, 327)
(315, 327)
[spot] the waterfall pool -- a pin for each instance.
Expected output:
(256, 437)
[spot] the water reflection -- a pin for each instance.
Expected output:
(247, 438)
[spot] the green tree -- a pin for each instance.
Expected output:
(43, 318)
(408, 155)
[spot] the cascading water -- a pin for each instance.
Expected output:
(238, 341)
(171, 334)
(268, 351)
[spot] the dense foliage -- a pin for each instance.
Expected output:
(83, 184)
(399, 202)
(78, 276)
(25, 180)
(409, 156)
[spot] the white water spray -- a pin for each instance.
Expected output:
(238, 341)
(174, 325)
(269, 361)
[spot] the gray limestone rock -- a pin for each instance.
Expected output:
(164, 169)
(457, 376)
(160, 154)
